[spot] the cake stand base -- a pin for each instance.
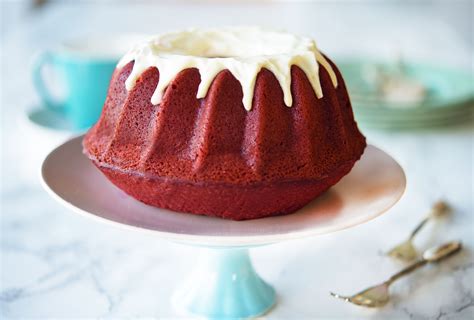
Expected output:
(224, 284)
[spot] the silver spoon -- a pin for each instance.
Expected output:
(378, 296)
(406, 251)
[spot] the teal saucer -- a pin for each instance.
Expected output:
(47, 119)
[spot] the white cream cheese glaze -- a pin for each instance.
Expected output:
(244, 51)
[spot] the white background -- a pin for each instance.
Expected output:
(54, 264)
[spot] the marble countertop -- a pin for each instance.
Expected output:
(55, 264)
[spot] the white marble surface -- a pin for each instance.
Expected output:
(55, 264)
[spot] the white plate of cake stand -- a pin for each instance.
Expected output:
(223, 283)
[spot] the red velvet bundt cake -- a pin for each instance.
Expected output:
(237, 123)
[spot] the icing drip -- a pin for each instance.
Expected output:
(242, 51)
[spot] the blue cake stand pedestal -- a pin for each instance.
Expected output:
(223, 283)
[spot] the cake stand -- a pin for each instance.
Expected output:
(223, 283)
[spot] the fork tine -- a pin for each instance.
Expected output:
(335, 295)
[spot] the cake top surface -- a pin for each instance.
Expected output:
(244, 51)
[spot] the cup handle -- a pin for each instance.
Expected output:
(41, 60)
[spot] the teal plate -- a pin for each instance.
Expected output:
(454, 110)
(450, 96)
(414, 123)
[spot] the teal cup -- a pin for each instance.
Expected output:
(84, 68)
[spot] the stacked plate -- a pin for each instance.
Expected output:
(448, 96)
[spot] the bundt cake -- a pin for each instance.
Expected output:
(238, 123)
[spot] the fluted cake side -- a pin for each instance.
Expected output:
(211, 156)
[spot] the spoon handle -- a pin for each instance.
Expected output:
(442, 252)
(407, 270)
(419, 227)
(432, 255)
(438, 208)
